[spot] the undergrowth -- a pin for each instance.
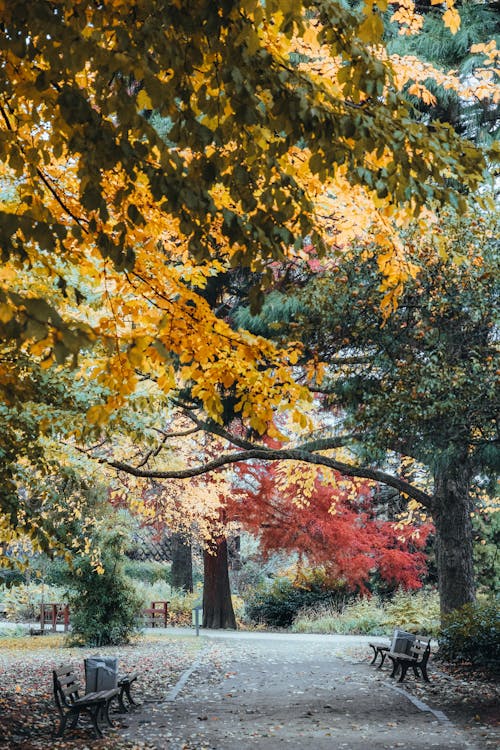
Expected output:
(413, 611)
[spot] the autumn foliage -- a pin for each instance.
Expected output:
(336, 526)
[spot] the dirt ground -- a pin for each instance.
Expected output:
(259, 691)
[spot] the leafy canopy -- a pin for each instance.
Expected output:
(97, 190)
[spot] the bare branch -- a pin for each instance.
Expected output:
(267, 454)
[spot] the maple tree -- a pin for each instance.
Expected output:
(330, 522)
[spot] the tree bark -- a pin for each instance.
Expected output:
(452, 508)
(217, 605)
(182, 564)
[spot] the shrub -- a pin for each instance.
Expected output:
(148, 572)
(103, 602)
(414, 611)
(277, 605)
(472, 634)
(13, 632)
(22, 603)
(104, 609)
(363, 617)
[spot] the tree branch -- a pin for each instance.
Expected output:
(267, 454)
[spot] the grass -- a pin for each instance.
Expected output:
(415, 611)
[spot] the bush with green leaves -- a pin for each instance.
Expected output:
(486, 551)
(365, 617)
(147, 571)
(472, 634)
(13, 632)
(103, 603)
(416, 611)
(278, 604)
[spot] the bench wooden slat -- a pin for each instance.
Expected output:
(64, 670)
(70, 690)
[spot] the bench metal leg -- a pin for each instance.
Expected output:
(375, 652)
(404, 669)
(126, 687)
(395, 666)
(423, 669)
(74, 720)
(62, 725)
(122, 708)
(94, 713)
(105, 713)
(74, 716)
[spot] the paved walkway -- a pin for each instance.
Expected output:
(264, 691)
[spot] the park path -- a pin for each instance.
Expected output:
(271, 691)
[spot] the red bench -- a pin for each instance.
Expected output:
(156, 615)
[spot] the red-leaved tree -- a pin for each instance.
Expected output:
(332, 523)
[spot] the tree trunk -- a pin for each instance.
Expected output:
(217, 605)
(182, 564)
(452, 507)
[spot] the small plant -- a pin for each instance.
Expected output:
(103, 602)
(13, 632)
(278, 605)
(363, 617)
(416, 611)
(472, 634)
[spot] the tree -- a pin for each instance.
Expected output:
(419, 383)
(330, 522)
(464, 52)
(45, 489)
(181, 574)
(98, 192)
(217, 605)
(422, 383)
(111, 233)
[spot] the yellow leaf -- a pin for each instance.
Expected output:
(6, 313)
(371, 29)
(143, 100)
(97, 415)
(451, 19)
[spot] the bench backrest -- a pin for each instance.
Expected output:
(67, 689)
(421, 647)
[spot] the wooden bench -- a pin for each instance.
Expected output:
(399, 644)
(156, 616)
(71, 701)
(416, 658)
